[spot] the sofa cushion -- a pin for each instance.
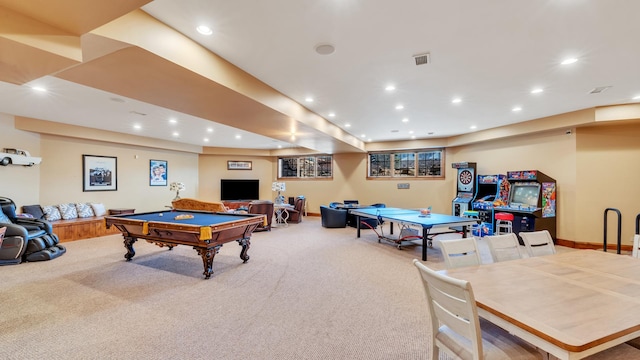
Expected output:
(68, 211)
(35, 210)
(51, 213)
(98, 209)
(84, 210)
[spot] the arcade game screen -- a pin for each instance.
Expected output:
(526, 194)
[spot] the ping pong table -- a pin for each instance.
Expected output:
(414, 217)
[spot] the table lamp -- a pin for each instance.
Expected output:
(279, 187)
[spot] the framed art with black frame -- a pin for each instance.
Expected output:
(99, 173)
(158, 172)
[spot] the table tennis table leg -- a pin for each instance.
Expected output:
(358, 225)
(425, 242)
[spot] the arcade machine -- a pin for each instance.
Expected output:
(493, 190)
(466, 187)
(532, 201)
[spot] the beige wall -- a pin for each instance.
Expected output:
(607, 172)
(349, 182)
(19, 183)
(212, 168)
(58, 179)
(594, 167)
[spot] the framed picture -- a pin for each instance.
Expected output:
(158, 173)
(99, 173)
(239, 165)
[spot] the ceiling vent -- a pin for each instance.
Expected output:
(422, 59)
(599, 89)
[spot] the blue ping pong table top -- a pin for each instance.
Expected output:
(413, 216)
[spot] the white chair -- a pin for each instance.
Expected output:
(460, 252)
(538, 243)
(455, 326)
(504, 247)
(635, 252)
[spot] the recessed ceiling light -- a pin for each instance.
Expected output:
(347, 125)
(279, 146)
(332, 115)
(173, 121)
(204, 30)
(39, 88)
(516, 109)
(390, 88)
(137, 127)
(473, 127)
(369, 140)
(176, 134)
(410, 131)
(399, 107)
(210, 130)
(636, 97)
(238, 136)
(206, 140)
(537, 91)
(309, 99)
(413, 137)
(456, 100)
(325, 49)
(363, 136)
(405, 120)
(569, 61)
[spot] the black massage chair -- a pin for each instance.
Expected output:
(26, 239)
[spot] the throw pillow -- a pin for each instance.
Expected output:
(84, 210)
(98, 209)
(34, 210)
(68, 211)
(51, 213)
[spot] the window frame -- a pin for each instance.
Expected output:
(302, 167)
(406, 170)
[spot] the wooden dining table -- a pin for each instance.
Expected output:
(571, 304)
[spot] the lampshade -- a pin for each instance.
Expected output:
(278, 186)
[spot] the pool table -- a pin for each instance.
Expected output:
(205, 231)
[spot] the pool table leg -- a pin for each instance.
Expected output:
(128, 244)
(246, 244)
(207, 259)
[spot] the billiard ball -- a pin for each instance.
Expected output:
(160, 214)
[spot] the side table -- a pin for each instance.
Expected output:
(281, 214)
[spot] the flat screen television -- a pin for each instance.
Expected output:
(524, 194)
(239, 189)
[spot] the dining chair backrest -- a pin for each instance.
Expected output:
(456, 328)
(452, 308)
(636, 246)
(460, 252)
(504, 247)
(538, 243)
